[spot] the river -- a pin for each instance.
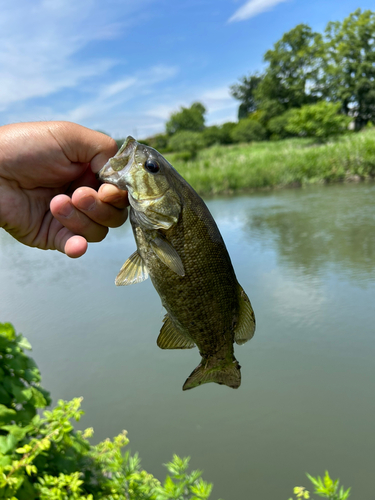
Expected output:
(306, 258)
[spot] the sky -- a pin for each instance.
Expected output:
(123, 66)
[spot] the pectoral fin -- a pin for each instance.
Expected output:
(245, 327)
(170, 338)
(133, 271)
(168, 255)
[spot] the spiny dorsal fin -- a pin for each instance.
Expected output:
(245, 327)
(168, 255)
(133, 271)
(229, 374)
(170, 338)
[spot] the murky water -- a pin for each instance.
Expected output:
(307, 261)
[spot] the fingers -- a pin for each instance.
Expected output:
(87, 215)
(106, 207)
(75, 221)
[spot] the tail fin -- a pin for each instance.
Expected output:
(229, 374)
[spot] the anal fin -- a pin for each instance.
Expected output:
(245, 327)
(133, 271)
(170, 338)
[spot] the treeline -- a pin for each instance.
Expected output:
(314, 85)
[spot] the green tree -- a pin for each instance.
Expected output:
(245, 93)
(293, 73)
(187, 119)
(349, 72)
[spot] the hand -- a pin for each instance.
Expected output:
(48, 189)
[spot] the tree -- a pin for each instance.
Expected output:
(349, 75)
(187, 119)
(292, 78)
(245, 92)
(293, 74)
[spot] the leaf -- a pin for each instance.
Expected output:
(6, 415)
(7, 443)
(24, 343)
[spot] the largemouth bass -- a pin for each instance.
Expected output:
(180, 247)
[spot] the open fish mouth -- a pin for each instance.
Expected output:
(116, 169)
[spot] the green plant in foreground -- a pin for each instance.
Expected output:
(324, 487)
(44, 458)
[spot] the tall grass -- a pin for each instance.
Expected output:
(225, 169)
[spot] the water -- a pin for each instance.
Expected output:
(307, 261)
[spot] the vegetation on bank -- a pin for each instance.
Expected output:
(290, 162)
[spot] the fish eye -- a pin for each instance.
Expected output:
(152, 166)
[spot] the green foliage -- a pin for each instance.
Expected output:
(187, 119)
(44, 458)
(245, 92)
(186, 140)
(288, 162)
(321, 120)
(305, 67)
(158, 142)
(226, 130)
(350, 65)
(277, 126)
(248, 130)
(324, 487)
(212, 135)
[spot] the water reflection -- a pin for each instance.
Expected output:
(312, 229)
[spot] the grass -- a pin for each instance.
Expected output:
(291, 162)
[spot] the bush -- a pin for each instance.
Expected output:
(321, 120)
(44, 458)
(187, 141)
(226, 130)
(277, 126)
(212, 135)
(248, 130)
(158, 142)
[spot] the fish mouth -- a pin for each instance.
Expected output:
(115, 170)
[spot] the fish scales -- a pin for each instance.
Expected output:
(183, 252)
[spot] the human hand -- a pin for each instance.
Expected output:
(48, 189)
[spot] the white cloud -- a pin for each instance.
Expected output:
(253, 8)
(40, 40)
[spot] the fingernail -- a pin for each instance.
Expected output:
(66, 210)
(87, 203)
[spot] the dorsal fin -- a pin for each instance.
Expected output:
(245, 327)
(170, 338)
(133, 271)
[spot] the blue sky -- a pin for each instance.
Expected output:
(124, 66)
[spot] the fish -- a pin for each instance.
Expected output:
(180, 247)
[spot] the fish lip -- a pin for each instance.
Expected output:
(117, 177)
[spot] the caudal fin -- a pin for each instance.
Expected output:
(229, 374)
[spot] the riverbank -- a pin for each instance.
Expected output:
(268, 164)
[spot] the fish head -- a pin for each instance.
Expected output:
(139, 169)
(148, 178)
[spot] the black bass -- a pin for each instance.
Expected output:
(181, 248)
